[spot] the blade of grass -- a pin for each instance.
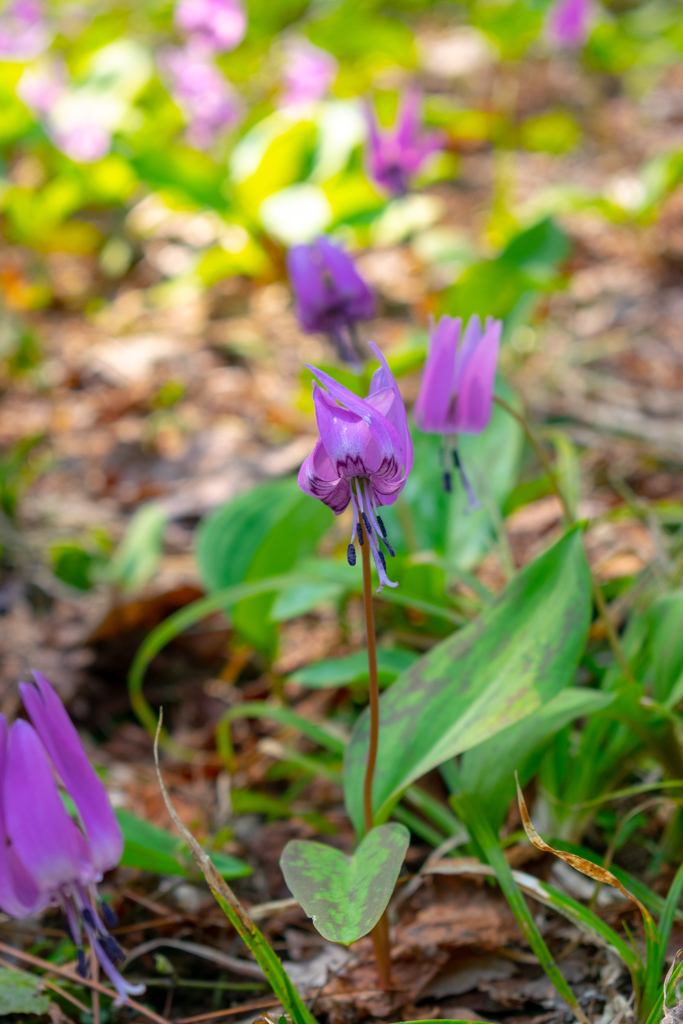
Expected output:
(483, 835)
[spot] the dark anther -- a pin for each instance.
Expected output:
(381, 525)
(388, 546)
(111, 947)
(82, 963)
(359, 534)
(382, 559)
(110, 918)
(456, 459)
(351, 555)
(88, 918)
(367, 524)
(447, 482)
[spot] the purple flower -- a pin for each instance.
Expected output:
(41, 86)
(330, 294)
(202, 92)
(219, 24)
(396, 155)
(23, 32)
(364, 455)
(568, 22)
(308, 72)
(456, 393)
(45, 856)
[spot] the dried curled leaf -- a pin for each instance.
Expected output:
(586, 867)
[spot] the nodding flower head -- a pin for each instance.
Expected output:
(364, 456)
(456, 393)
(203, 93)
(46, 857)
(568, 22)
(396, 155)
(220, 25)
(330, 295)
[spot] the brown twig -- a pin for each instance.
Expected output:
(244, 1007)
(63, 972)
(380, 933)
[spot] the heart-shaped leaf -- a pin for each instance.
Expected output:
(346, 896)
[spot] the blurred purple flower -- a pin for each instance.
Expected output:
(364, 455)
(84, 143)
(219, 24)
(456, 393)
(330, 294)
(23, 32)
(396, 155)
(72, 120)
(202, 92)
(308, 72)
(568, 22)
(45, 857)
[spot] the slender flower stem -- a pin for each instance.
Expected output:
(570, 519)
(380, 933)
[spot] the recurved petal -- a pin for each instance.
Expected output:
(19, 895)
(45, 839)
(319, 479)
(434, 408)
(355, 444)
(386, 397)
(59, 737)
(475, 393)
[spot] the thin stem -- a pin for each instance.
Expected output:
(598, 596)
(380, 933)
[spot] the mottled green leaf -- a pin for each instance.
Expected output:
(346, 896)
(519, 653)
(21, 993)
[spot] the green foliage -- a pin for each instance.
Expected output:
(493, 673)
(137, 557)
(261, 533)
(149, 848)
(21, 993)
(354, 669)
(346, 896)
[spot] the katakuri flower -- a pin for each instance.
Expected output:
(308, 72)
(568, 22)
(46, 857)
(364, 456)
(396, 155)
(219, 24)
(456, 392)
(331, 296)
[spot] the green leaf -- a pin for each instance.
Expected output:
(493, 461)
(666, 640)
(149, 848)
(136, 559)
(354, 668)
(21, 993)
(346, 896)
(256, 535)
(520, 652)
(487, 770)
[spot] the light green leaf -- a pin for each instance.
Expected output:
(354, 668)
(21, 993)
(149, 848)
(346, 896)
(136, 559)
(519, 653)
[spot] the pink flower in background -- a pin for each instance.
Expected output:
(23, 32)
(41, 86)
(568, 22)
(456, 392)
(202, 92)
(308, 72)
(84, 143)
(219, 24)
(395, 155)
